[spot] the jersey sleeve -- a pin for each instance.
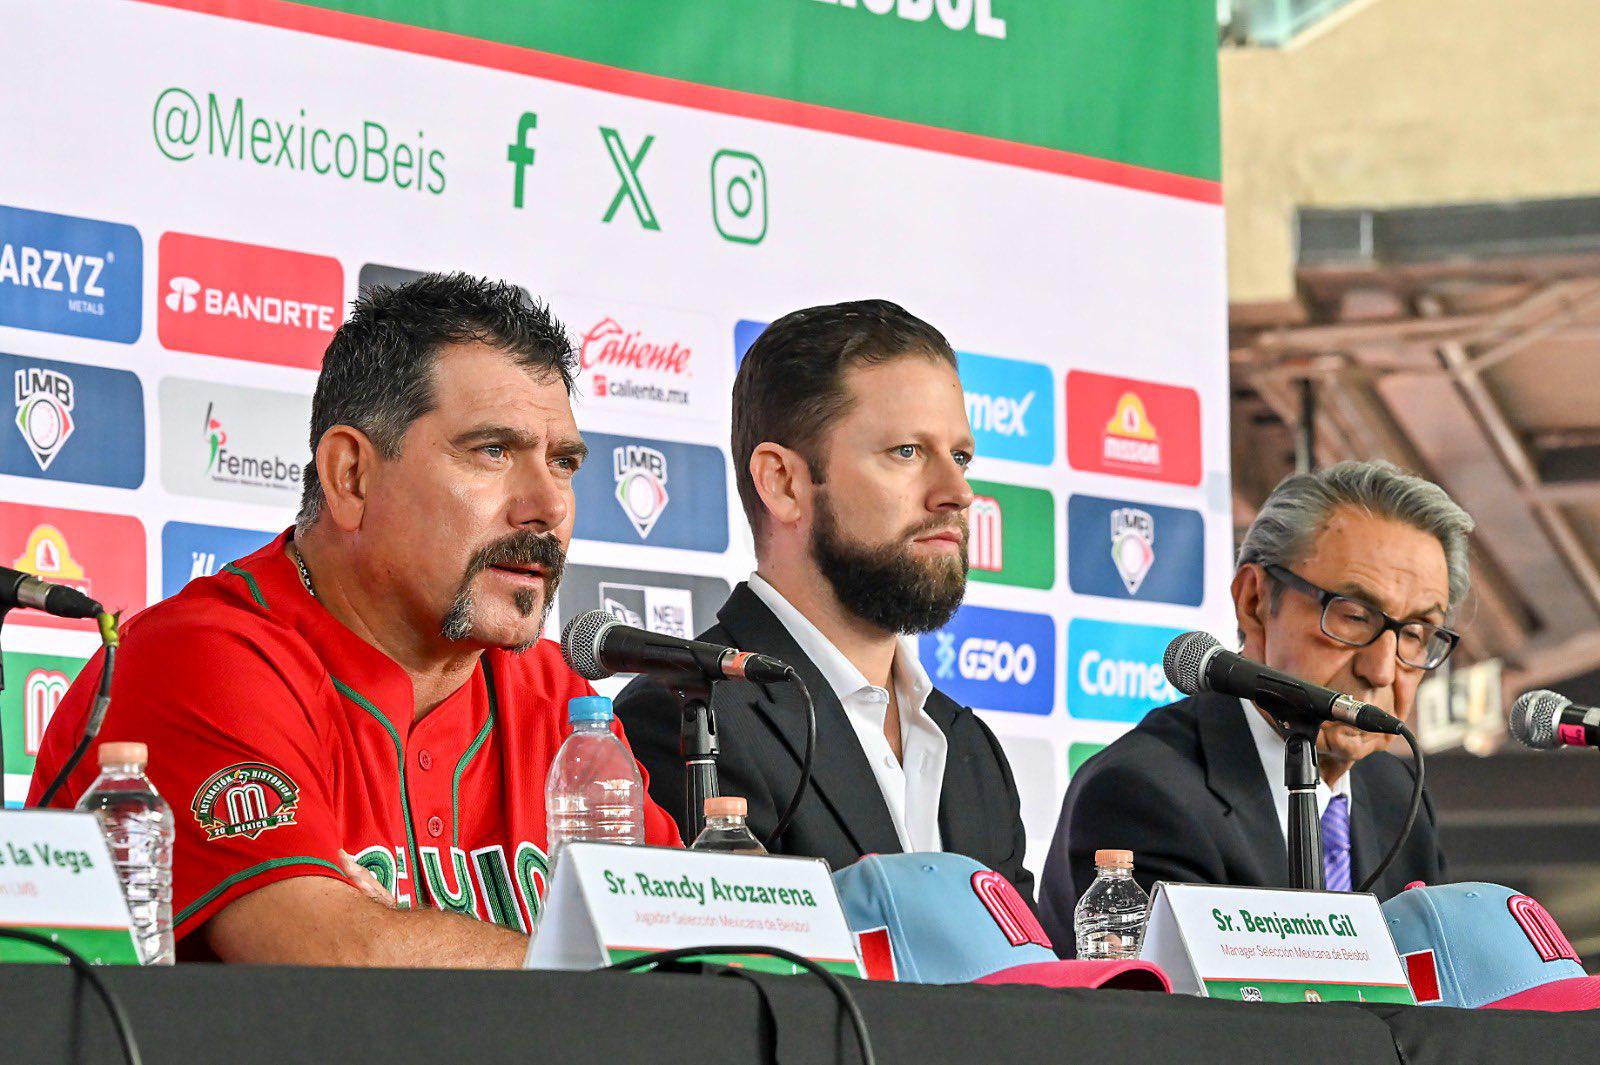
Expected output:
(232, 749)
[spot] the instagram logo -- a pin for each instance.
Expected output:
(739, 197)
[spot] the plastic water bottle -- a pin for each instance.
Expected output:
(1110, 917)
(594, 792)
(138, 826)
(725, 829)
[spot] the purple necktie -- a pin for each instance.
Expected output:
(1336, 844)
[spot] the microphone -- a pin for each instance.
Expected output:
(1195, 662)
(596, 645)
(1545, 720)
(18, 589)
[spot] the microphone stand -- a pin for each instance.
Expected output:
(1305, 837)
(697, 742)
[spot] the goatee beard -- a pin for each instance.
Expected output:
(521, 549)
(886, 586)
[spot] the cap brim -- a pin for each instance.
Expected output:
(1573, 993)
(1123, 975)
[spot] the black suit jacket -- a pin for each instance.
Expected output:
(761, 732)
(1185, 791)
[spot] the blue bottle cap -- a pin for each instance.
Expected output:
(589, 708)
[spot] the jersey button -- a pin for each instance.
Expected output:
(435, 827)
(424, 759)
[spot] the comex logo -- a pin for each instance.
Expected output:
(1122, 678)
(641, 475)
(182, 298)
(1002, 415)
(1133, 545)
(44, 412)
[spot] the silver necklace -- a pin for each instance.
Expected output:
(305, 574)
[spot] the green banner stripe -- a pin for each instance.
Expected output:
(1133, 83)
(1295, 991)
(98, 946)
(756, 962)
(1028, 539)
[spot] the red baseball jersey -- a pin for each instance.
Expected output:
(280, 737)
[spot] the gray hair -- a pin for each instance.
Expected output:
(1296, 512)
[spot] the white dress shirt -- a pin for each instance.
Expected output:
(1270, 746)
(910, 784)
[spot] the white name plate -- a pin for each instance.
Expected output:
(56, 879)
(608, 903)
(1274, 945)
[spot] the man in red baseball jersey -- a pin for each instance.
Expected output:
(353, 725)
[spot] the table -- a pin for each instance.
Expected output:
(245, 1015)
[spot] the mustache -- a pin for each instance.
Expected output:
(937, 524)
(520, 549)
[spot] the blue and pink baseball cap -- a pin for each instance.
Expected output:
(940, 918)
(1483, 946)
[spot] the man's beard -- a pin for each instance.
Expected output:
(886, 586)
(520, 549)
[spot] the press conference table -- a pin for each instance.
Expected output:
(275, 1016)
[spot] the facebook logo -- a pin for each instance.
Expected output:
(994, 659)
(190, 551)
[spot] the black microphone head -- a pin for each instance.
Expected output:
(1185, 661)
(1533, 718)
(580, 643)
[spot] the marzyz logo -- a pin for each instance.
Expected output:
(673, 604)
(244, 301)
(222, 442)
(190, 551)
(73, 423)
(1125, 550)
(1114, 671)
(654, 492)
(75, 276)
(1011, 535)
(1133, 428)
(101, 555)
(35, 685)
(994, 659)
(1010, 405)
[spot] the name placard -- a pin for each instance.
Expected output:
(608, 903)
(1274, 945)
(56, 879)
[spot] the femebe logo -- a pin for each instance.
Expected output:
(638, 359)
(245, 301)
(74, 423)
(1125, 550)
(1133, 428)
(76, 276)
(994, 659)
(1010, 405)
(35, 686)
(1011, 535)
(101, 555)
(242, 444)
(654, 492)
(673, 604)
(1114, 671)
(190, 551)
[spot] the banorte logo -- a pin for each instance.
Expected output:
(246, 301)
(1131, 428)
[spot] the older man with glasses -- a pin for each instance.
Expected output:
(1347, 578)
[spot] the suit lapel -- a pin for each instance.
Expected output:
(957, 791)
(839, 771)
(1366, 843)
(1234, 775)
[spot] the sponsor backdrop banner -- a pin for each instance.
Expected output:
(1040, 181)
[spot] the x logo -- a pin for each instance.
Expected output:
(627, 168)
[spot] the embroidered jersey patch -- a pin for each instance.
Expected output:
(246, 800)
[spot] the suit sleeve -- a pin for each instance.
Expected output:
(232, 750)
(1011, 867)
(1126, 807)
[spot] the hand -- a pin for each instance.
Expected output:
(365, 882)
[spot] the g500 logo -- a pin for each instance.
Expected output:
(995, 659)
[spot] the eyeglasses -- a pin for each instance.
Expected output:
(1418, 644)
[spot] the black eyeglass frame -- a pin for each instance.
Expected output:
(1325, 598)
